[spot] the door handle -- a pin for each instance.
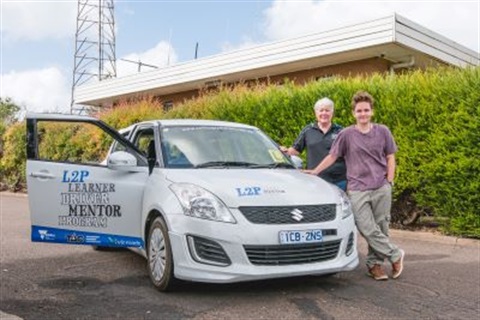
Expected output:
(42, 175)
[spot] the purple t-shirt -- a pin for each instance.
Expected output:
(365, 156)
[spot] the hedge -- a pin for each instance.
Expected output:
(434, 116)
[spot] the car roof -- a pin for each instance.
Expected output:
(191, 122)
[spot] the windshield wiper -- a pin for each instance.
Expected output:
(276, 165)
(222, 164)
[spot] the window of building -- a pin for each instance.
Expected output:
(167, 105)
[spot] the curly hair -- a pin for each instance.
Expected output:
(362, 96)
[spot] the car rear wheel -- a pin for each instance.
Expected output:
(159, 254)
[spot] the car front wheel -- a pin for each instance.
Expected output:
(159, 253)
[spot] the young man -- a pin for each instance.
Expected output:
(317, 138)
(369, 152)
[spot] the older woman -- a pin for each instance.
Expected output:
(317, 138)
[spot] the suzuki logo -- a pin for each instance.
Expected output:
(297, 214)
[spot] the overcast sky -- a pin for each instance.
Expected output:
(37, 37)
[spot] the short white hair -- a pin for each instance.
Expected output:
(324, 102)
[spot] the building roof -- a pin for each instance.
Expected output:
(394, 38)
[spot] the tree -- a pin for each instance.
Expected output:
(8, 110)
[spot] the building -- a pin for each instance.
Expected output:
(388, 44)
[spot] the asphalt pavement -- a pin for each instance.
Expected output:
(441, 280)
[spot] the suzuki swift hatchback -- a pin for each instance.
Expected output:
(206, 201)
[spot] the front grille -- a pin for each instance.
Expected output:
(290, 214)
(293, 253)
(207, 251)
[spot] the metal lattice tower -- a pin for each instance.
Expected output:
(94, 57)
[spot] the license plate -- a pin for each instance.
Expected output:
(301, 236)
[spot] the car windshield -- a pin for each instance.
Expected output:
(219, 147)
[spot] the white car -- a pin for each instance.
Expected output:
(206, 201)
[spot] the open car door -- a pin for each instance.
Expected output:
(78, 193)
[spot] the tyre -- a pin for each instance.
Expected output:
(159, 256)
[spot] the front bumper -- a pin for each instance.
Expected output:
(233, 237)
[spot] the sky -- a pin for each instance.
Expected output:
(38, 37)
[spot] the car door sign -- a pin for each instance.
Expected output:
(75, 175)
(88, 203)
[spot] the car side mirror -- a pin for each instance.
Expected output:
(121, 160)
(297, 162)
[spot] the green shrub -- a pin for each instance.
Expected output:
(126, 114)
(12, 163)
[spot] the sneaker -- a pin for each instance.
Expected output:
(397, 267)
(377, 272)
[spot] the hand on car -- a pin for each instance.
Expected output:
(309, 171)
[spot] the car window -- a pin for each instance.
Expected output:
(77, 142)
(191, 146)
(143, 138)
(72, 142)
(118, 146)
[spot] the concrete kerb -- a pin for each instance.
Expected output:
(13, 194)
(433, 237)
(6, 316)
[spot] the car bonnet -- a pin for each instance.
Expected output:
(259, 187)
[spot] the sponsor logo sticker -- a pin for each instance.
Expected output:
(74, 238)
(45, 235)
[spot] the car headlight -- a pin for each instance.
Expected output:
(200, 203)
(345, 204)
